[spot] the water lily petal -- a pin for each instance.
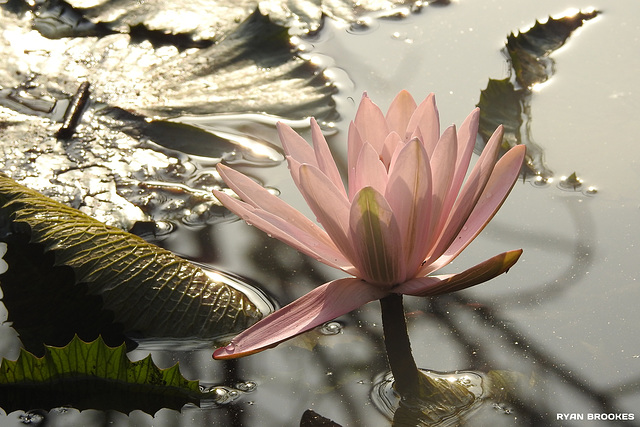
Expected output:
(370, 171)
(400, 111)
(480, 273)
(495, 192)
(443, 166)
(305, 236)
(353, 153)
(371, 123)
(409, 196)
(296, 148)
(466, 139)
(425, 124)
(322, 304)
(376, 239)
(324, 158)
(392, 143)
(468, 196)
(329, 205)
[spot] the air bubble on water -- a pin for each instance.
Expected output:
(247, 386)
(331, 328)
(540, 181)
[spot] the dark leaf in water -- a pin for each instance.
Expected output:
(92, 375)
(529, 51)
(313, 419)
(501, 103)
(508, 101)
(148, 289)
(44, 303)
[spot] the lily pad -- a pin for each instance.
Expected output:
(508, 101)
(114, 163)
(147, 289)
(529, 50)
(93, 375)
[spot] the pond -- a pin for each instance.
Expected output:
(553, 342)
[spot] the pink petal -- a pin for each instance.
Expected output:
(466, 139)
(443, 165)
(469, 195)
(354, 148)
(376, 239)
(409, 196)
(500, 184)
(438, 285)
(295, 147)
(371, 123)
(322, 304)
(304, 236)
(370, 171)
(425, 121)
(392, 143)
(329, 205)
(325, 161)
(400, 111)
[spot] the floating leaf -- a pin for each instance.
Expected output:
(148, 289)
(508, 101)
(502, 103)
(92, 375)
(116, 163)
(529, 51)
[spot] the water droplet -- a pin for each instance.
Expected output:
(230, 347)
(331, 328)
(590, 191)
(247, 386)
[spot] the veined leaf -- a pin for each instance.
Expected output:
(508, 101)
(529, 51)
(148, 289)
(92, 375)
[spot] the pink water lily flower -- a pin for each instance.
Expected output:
(407, 212)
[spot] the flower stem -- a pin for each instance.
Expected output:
(396, 340)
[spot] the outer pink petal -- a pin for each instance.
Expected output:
(324, 159)
(409, 195)
(322, 304)
(371, 123)
(443, 166)
(500, 184)
(400, 111)
(354, 148)
(329, 205)
(438, 285)
(308, 238)
(376, 239)
(295, 147)
(469, 195)
(466, 139)
(425, 122)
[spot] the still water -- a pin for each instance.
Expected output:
(560, 329)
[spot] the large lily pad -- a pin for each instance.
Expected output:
(115, 164)
(147, 289)
(92, 375)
